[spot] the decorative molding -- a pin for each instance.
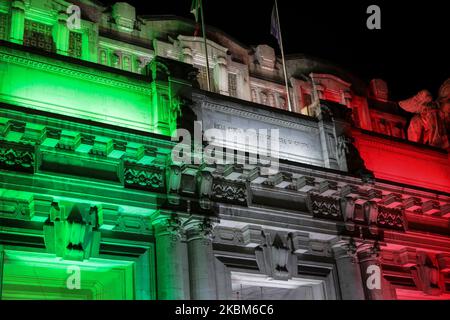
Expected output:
(132, 223)
(13, 206)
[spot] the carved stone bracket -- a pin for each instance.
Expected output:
(275, 256)
(72, 231)
(427, 274)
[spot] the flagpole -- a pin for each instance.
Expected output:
(206, 47)
(282, 57)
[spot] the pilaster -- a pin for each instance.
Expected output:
(62, 35)
(221, 76)
(17, 21)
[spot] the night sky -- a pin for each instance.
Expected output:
(411, 51)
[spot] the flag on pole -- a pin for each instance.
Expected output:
(275, 26)
(195, 9)
(275, 30)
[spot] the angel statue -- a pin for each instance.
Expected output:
(431, 122)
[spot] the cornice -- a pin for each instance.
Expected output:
(71, 71)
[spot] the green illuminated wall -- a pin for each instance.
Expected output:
(47, 84)
(33, 275)
(52, 166)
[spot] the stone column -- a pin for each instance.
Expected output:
(348, 271)
(201, 259)
(62, 35)
(375, 286)
(170, 258)
(17, 21)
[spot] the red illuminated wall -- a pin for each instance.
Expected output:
(403, 162)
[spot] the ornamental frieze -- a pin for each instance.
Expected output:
(234, 192)
(326, 207)
(17, 156)
(150, 178)
(390, 218)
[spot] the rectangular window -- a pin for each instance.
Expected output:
(4, 26)
(75, 44)
(232, 84)
(38, 35)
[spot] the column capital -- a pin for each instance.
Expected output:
(167, 224)
(199, 228)
(345, 249)
(368, 251)
(18, 4)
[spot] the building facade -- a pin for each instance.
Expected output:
(94, 206)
